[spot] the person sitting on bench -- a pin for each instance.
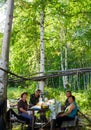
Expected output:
(69, 113)
(23, 108)
(66, 104)
(34, 99)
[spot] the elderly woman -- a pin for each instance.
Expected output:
(69, 113)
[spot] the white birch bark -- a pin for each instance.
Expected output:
(5, 50)
(62, 68)
(64, 61)
(66, 65)
(42, 53)
(4, 63)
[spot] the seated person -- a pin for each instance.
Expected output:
(69, 113)
(66, 104)
(34, 98)
(23, 108)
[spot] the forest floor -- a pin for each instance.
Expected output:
(84, 124)
(84, 121)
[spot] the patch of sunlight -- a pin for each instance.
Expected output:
(16, 127)
(28, 0)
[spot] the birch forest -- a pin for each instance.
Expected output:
(45, 44)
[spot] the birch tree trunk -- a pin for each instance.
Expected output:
(5, 58)
(64, 61)
(64, 66)
(42, 53)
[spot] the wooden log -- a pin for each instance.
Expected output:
(89, 120)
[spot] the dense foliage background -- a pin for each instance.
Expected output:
(67, 30)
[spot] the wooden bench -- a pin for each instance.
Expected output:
(66, 124)
(71, 124)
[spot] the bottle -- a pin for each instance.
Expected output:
(59, 107)
(40, 99)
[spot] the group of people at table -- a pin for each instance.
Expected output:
(68, 111)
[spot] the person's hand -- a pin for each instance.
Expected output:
(61, 115)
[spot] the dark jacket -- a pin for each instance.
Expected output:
(22, 104)
(33, 100)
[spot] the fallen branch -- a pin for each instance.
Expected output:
(89, 120)
(49, 74)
